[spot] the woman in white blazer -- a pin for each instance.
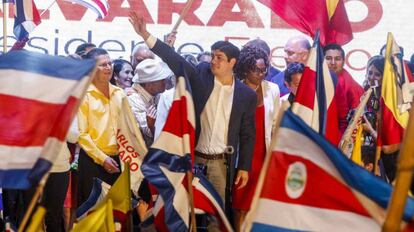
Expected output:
(252, 68)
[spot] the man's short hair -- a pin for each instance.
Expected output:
(260, 44)
(81, 49)
(94, 52)
(293, 68)
(201, 54)
(227, 48)
(334, 46)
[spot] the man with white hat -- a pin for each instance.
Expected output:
(148, 82)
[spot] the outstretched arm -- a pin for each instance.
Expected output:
(175, 62)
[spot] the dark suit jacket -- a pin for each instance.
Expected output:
(242, 131)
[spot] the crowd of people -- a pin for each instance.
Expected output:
(237, 95)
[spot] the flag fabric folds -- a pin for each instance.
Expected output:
(132, 147)
(329, 16)
(119, 194)
(39, 97)
(314, 100)
(170, 158)
(99, 7)
(394, 113)
(206, 201)
(36, 223)
(99, 220)
(314, 187)
(26, 18)
(99, 191)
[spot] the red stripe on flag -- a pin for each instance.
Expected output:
(307, 88)
(177, 122)
(25, 122)
(391, 131)
(101, 6)
(321, 190)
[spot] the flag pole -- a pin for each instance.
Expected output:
(403, 181)
(5, 16)
(182, 15)
(355, 121)
(379, 145)
(249, 217)
(32, 204)
(44, 11)
(191, 201)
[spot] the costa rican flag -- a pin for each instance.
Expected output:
(170, 158)
(100, 7)
(314, 101)
(206, 201)
(314, 187)
(26, 18)
(39, 96)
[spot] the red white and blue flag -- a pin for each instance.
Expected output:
(100, 7)
(39, 96)
(314, 100)
(166, 165)
(314, 187)
(170, 158)
(206, 201)
(26, 18)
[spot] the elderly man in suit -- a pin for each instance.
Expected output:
(224, 108)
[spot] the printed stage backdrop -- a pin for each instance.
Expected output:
(65, 25)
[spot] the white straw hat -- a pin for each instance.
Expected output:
(150, 70)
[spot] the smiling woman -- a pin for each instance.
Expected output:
(251, 69)
(122, 74)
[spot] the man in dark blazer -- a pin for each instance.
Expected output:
(224, 108)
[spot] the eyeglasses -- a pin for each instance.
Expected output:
(104, 65)
(259, 71)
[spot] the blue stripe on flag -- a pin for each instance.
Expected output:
(257, 227)
(151, 167)
(210, 188)
(52, 66)
(15, 178)
(354, 175)
(92, 199)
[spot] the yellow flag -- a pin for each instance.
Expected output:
(101, 219)
(36, 224)
(356, 152)
(120, 193)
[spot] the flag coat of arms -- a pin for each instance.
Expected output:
(309, 185)
(39, 96)
(329, 16)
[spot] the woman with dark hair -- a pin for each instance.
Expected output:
(123, 73)
(97, 119)
(251, 69)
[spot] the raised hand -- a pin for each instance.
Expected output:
(139, 24)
